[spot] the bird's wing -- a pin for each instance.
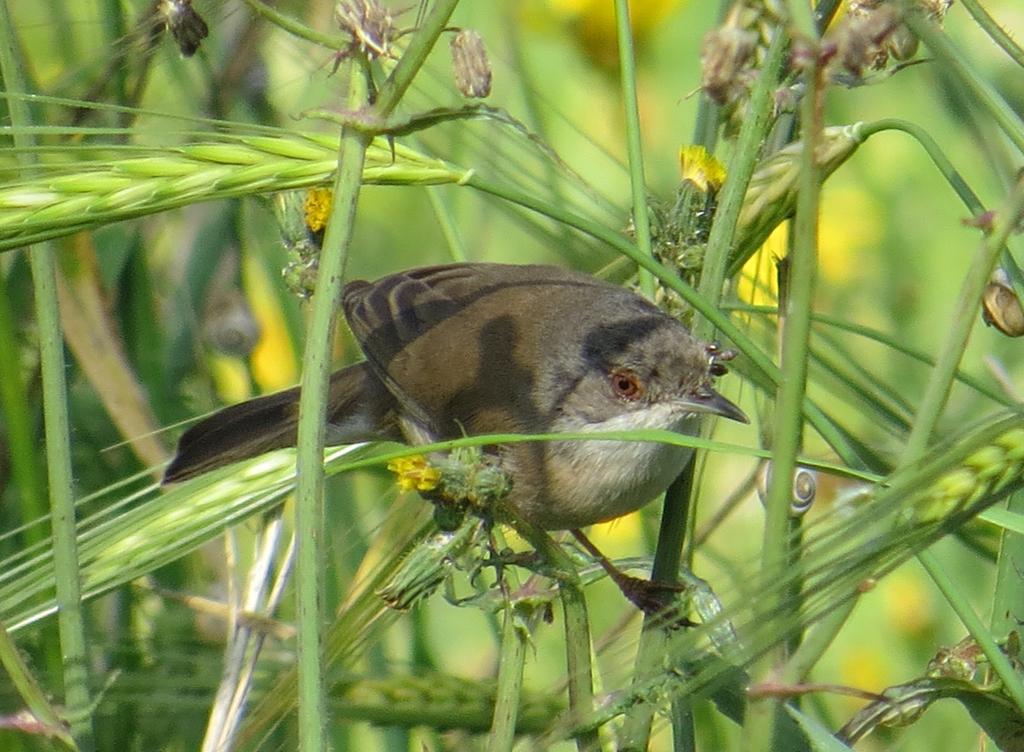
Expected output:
(392, 318)
(388, 315)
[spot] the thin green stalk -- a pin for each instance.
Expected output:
(636, 728)
(759, 724)
(1009, 589)
(413, 58)
(741, 167)
(113, 28)
(965, 314)
(317, 367)
(55, 417)
(510, 683)
(21, 434)
(577, 631)
(316, 370)
(996, 32)
(934, 400)
(636, 731)
(677, 512)
(815, 643)
(935, 395)
(708, 120)
(997, 659)
(637, 180)
(529, 90)
(294, 27)
(949, 55)
(577, 652)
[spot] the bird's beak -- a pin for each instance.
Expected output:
(714, 403)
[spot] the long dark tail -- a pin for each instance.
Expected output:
(359, 409)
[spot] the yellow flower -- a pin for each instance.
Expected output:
(701, 168)
(317, 207)
(415, 473)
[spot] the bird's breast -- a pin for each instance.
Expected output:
(567, 484)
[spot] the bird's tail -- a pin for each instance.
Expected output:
(359, 409)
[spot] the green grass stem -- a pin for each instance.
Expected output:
(317, 367)
(33, 695)
(741, 167)
(634, 144)
(511, 662)
(787, 433)
(964, 318)
(56, 425)
(1001, 664)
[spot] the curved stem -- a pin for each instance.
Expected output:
(996, 32)
(953, 58)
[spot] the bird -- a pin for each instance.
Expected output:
(479, 348)
(484, 348)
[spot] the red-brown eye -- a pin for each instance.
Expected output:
(626, 384)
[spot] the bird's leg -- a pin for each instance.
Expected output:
(649, 596)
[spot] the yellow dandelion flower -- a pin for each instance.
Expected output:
(415, 473)
(701, 168)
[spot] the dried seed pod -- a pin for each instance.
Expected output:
(370, 25)
(725, 59)
(186, 26)
(861, 41)
(470, 64)
(902, 43)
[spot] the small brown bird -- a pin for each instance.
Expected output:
(471, 349)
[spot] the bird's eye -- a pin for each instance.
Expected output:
(626, 384)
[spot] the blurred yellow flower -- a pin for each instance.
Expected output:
(865, 668)
(273, 359)
(229, 377)
(415, 473)
(758, 281)
(593, 23)
(907, 604)
(849, 225)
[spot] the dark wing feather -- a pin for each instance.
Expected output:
(461, 321)
(388, 315)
